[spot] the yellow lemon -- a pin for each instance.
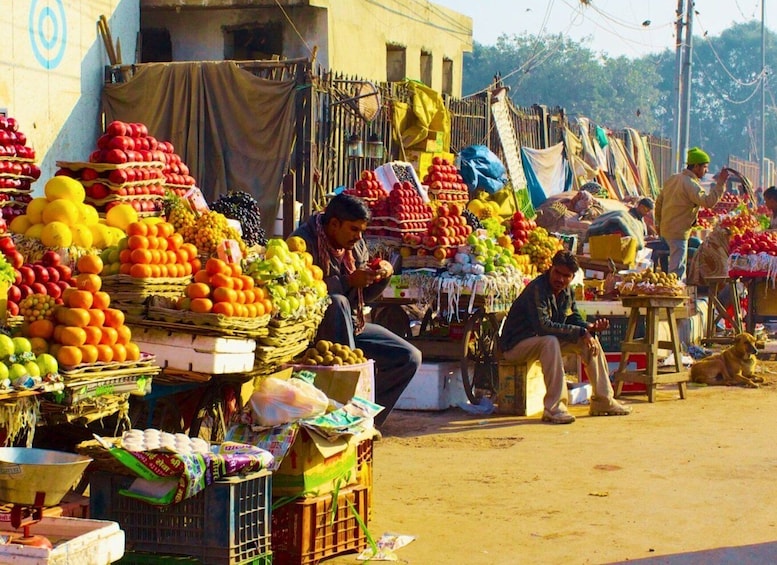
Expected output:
(61, 210)
(56, 234)
(100, 236)
(34, 231)
(35, 210)
(296, 243)
(82, 236)
(121, 216)
(87, 215)
(62, 187)
(20, 224)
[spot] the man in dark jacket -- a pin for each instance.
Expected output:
(543, 324)
(334, 239)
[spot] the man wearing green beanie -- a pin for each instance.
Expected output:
(679, 202)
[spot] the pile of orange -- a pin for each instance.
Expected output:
(156, 250)
(222, 288)
(87, 329)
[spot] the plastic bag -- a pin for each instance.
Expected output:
(278, 401)
(481, 168)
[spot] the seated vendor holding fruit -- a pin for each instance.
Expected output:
(544, 324)
(334, 239)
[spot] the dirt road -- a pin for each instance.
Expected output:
(678, 481)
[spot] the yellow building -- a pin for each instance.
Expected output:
(381, 40)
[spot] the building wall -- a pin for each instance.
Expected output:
(51, 71)
(351, 35)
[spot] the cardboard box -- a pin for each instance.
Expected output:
(615, 247)
(435, 386)
(521, 389)
(315, 465)
(343, 382)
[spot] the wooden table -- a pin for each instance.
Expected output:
(650, 344)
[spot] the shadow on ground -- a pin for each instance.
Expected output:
(756, 554)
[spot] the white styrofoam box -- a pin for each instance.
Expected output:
(579, 393)
(435, 386)
(601, 308)
(76, 542)
(186, 359)
(203, 343)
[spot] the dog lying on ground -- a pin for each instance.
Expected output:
(735, 365)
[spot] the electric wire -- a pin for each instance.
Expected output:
(294, 27)
(739, 82)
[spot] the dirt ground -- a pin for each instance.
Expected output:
(678, 481)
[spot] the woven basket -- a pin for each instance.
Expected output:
(161, 309)
(102, 460)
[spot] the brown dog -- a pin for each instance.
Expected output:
(735, 365)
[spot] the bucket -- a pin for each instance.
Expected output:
(278, 230)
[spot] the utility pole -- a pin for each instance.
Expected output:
(678, 97)
(764, 180)
(685, 129)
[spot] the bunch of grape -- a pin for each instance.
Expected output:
(472, 219)
(541, 247)
(242, 207)
(179, 214)
(37, 307)
(209, 230)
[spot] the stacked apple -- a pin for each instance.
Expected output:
(48, 277)
(9, 251)
(402, 213)
(447, 231)
(368, 187)
(175, 171)
(740, 223)
(751, 243)
(17, 169)
(705, 218)
(520, 227)
(726, 203)
(445, 182)
(127, 169)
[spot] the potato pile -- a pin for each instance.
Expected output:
(327, 353)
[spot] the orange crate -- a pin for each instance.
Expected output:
(308, 530)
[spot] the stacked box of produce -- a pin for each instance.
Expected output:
(17, 169)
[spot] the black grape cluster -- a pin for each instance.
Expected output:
(242, 207)
(473, 221)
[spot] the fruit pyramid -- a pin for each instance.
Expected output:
(176, 172)
(222, 288)
(205, 230)
(87, 330)
(61, 219)
(154, 251)
(17, 169)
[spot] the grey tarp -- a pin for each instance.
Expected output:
(233, 129)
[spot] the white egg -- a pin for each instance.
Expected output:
(182, 437)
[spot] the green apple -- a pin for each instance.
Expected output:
(7, 346)
(3, 371)
(32, 368)
(17, 371)
(21, 345)
(47, 363)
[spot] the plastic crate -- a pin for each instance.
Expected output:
(308, 530)
(227, 523)
(139, 558)
(612, 337)
(364, 455)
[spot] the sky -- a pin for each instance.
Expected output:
(613, 27)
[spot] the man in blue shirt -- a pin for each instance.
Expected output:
(543, 324)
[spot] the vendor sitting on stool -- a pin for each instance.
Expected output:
(543, 324)
(334, 239)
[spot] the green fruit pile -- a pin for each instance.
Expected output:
(329, 354)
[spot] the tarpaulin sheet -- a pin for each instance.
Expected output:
(547, 172)
(233, 129)
(426, 115)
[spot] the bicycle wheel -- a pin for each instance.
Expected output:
(479, 370)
